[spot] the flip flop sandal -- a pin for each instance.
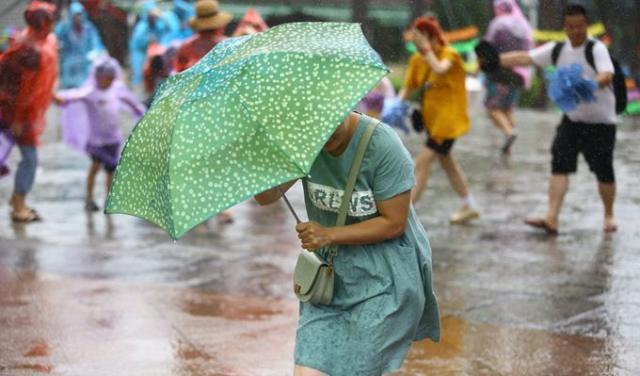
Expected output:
(542, 224)
(32, 217)
(37, 216)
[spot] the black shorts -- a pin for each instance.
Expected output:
(596, 143)
(443, 148)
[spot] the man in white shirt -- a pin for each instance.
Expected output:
(590, 129)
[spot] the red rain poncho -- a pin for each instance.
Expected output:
(194, 48)
(28, 71)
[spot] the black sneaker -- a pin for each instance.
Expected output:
(91, 206)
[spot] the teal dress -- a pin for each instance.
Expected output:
(383, 296)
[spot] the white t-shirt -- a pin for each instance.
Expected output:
(603, 110)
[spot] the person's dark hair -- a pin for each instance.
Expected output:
(574, 10)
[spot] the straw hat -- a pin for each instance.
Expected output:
(209, 16)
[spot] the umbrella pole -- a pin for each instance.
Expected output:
(286, 200)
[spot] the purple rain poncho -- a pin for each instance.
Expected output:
(510, 30)
(90, 115)
(6, 144)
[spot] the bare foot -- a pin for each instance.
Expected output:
(610, 225)
(548, 226)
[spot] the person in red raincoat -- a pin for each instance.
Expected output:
(209, 24)
(28, 71)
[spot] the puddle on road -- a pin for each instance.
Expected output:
(231, 308)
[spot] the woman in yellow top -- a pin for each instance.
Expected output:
(438, 70)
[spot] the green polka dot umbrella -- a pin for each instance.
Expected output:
(252, 114)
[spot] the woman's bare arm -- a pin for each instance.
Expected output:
(438, 66)
(272, 195)
(389, 224)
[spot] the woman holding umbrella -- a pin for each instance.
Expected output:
(261, 111)
(383, 296)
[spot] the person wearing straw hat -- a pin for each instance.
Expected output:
(209, 24)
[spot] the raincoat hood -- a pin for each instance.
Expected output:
(519, 24)
(251, 23)
(76, 8)
(39, 14)
(183, 9)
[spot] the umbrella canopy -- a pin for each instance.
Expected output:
(252, 114)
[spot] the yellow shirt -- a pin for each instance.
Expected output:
(444, 102)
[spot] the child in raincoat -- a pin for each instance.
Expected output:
(94, 127)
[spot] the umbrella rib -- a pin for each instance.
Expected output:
(261, 130)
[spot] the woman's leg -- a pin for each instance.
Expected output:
(25, 176)
(460, 185)
(306, 371)
(455, 174)
(510, 139)
(423, 165)
(511, 118)
(501, 121)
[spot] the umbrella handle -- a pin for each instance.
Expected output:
(286, 200)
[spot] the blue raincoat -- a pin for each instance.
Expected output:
(162, 31)
(184, 11)
(76, 47)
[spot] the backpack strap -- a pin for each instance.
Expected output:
(555, 53)
(588, 54)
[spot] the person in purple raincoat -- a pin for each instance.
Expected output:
(508, 31)
(97, 131)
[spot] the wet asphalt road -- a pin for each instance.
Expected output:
(89, 295)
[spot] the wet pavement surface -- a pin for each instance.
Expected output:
(86, 294)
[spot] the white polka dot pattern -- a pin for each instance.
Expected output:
(252, 114)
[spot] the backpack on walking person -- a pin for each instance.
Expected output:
(619, 85)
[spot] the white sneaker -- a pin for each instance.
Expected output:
(463, 216)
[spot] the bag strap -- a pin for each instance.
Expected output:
(355, 170)
(555, 53)
(351, 180)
